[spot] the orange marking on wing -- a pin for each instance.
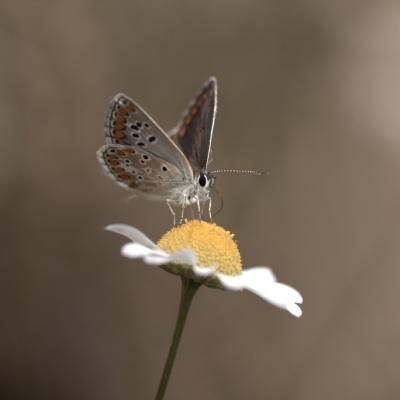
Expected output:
(122, 109)
(193, 111)
(123, 176)
(119, 124)
(120, 119)
(187, 120)
(130, 108)
(118, 169)
(133, 184)
(120, 153)
(199, 102)
(182, 132)
(119, 135)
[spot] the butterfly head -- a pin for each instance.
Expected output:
(205, 180)
(199, 191)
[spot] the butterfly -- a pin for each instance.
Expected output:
(143, 158)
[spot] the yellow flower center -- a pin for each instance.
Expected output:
(213, 245)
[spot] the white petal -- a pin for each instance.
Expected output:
(156, 259)
(295, 310)
(259, 274)
(135, 250)
(230, 282)
(150, 256)
(131, 233)
(187, 257)
(239, 282)
(262, 282)
(280, 295)
(203, 271)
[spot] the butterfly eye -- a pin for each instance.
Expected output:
(203, 180)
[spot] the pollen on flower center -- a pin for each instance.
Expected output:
(213, 245)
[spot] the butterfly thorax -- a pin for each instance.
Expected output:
(193, 191)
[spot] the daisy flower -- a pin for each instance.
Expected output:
(208, 255)
(203, 253)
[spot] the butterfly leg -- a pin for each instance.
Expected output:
(203, 207)
(199, 208)
(183, 210)
(192, 215)
(172, 210)
(210, 208)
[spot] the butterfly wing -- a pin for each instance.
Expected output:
(142, 172)
(194, 132)
(128, 124)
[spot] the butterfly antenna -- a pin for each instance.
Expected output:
(241, 171)
(221, 203)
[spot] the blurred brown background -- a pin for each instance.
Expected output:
(308, 89)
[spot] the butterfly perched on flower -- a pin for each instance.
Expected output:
(143, 158)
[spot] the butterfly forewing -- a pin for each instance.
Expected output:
(141, 171)
(128, 124)
(194, 133)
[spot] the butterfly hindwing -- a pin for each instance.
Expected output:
(140, 171)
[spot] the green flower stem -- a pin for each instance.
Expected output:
(188, 290)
